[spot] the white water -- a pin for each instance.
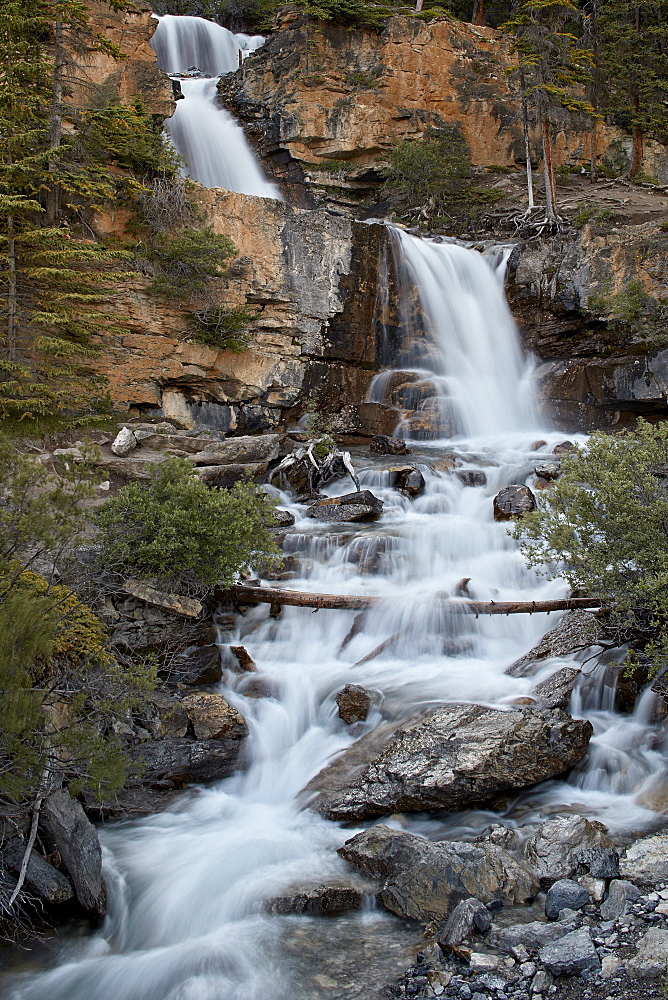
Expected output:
(463, 341)
(186, 918)
(214, 148)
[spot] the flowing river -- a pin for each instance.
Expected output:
(187, 887)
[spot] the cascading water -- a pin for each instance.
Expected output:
(460, 345)
(213, 146)
(187, 886)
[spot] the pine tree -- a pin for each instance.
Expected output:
(632, 62)
(552, 67)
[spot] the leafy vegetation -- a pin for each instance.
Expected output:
(604, 526)
(632, 312)
(177, 530)
(223, 328)
(185, 260)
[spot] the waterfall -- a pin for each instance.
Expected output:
(214, 148)
(461, 343)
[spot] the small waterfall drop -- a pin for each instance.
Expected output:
(460, 346)
(213, 146)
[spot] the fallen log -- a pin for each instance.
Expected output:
(241, 594)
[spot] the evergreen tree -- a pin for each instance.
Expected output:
(632, 64)
(551, 65)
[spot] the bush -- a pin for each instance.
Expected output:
(183, 534)
(223, 328)
(185, 261)
(604, 527)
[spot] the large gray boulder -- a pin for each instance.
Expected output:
(182, 761)
(360, 506)
(235, 450)
(42, 879)
(646, 861)
(425, 880)
(576, 630)
(651, 957)
(67, 829)
(570, 955)
(560, 846)
(448, 759)
(513, 501)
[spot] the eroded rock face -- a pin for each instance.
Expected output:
(213, 718)
(453, 757)
(425, 880)
(576, 631)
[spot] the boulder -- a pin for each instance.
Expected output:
(284, 518)
(448, 759)
(225, 476)
(316, 900)
(164, 715)
(555, 849)
(213, 718)
(575, 631)
(177, 762)
(408, 480)
(564, 894)
(512, 502)
(66, 829)
(564, 448)
(467, 916)
(547, 470)
(235, 450)
(571, 955)
(354, 703)
(196, 665)
(620, 894)
(646, 861)
(555, 692)
(42, 879)
(425, 880)
(651, 957)
(383, 444)
(471, 477)
(244, 660)
(531, 936)
(124, 442)
(360, 506)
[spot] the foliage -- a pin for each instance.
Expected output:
(631, 312)
(223, 328)
(604, 526)
(184, 261)
(125, 136)
(179, 531)
(435, 175)
(587, 213)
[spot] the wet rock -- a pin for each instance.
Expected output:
(564, 894)
(531, 936)
(67, 829)
(554, 849)
(447, 759)
(646, 861)
(572, 954)
(354, 703)
(409, 480)
(471, 477)
(651, 957)
(424, 880)
(547, 470)
(42, 879)
(176, 762)
(284, 518)
(251, 448)
(512, 502)
(563, 448)
(212, 717)
(225, 476)
(124, 442)
(316, 901)
(243, 658)
(467, 915)
(383, 444)
(555, 692)
(360, 506)
(196, 665)
(620, 894)
(576, 631)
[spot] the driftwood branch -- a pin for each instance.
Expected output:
(354, 602)
(28, 851)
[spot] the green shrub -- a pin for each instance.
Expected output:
(223, 328)
(604, 527)
(178, 531)
(184, 261)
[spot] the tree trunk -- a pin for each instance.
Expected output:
(418, 6)
(527, 144)
(637, 150)
(593, 139)
(12, 293)
(550, 187)
(479, 13)
(56, 125)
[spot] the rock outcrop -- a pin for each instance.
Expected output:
(448, 759)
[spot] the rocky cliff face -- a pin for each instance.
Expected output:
(322, 102)
(310, 277)
(593, 306)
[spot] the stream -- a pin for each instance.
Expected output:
(187, 886)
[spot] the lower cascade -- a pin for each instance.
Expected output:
(189, 887)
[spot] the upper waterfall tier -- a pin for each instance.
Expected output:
(185, 43)
(460, 340)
